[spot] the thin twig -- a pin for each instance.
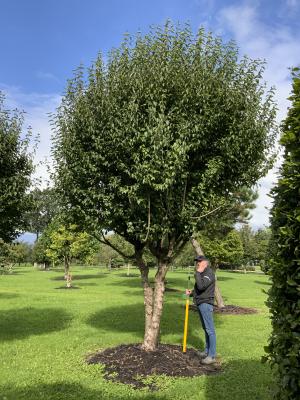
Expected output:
(210, 212)
(149, 219)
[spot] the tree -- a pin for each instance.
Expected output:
(153, 145)
(15, 171)
(262, 240)
(249, 244)
(284, 295)
(237, 211)
(45, 208)
(19, 252)
(227, 249)
(67, 242)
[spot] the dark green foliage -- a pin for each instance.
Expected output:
(284, 296)
(45, 207)
(154, 144)
(15, 171)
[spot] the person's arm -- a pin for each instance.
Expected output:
(205, 279)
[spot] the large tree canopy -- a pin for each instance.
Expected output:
(154, 142)
(15, 171)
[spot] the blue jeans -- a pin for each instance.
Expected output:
(207, 321)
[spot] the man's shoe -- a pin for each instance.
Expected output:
(208, 360)
(202, 354)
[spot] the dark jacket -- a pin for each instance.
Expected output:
(204, 289)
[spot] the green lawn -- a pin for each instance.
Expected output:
(46, 333)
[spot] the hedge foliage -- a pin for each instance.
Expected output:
(284, 295)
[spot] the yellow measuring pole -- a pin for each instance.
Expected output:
(186, 320)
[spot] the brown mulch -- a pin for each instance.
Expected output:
(229, 310)
(130, 364)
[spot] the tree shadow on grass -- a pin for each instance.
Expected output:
(8, 295)
(80, 277)
(136, 282)
(241, 380)
(71, 391)
(223, 278)
(87, 284)
(130, 318)
(263, 283)
(171, 282)
(24, 322)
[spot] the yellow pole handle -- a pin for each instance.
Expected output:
(186, 320)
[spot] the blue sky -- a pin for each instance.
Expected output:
(42, 42)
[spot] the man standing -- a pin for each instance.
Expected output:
(203, 294)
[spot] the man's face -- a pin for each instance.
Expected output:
(201, 265)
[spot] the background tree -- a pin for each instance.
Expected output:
(249, 244)
(15, 172)
(152, 145)
(20, 252)
(67, 242)
(284, 295)
(223, 250)
(262, 239)
(45, 207)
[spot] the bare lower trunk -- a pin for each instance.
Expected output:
(153, 302)
(152, 330)
(218, 295)
(66, 266)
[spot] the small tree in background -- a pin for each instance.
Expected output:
(284, 295)
(67, 242)
(15, 172)
(153, 145)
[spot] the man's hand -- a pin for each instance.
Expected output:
(188, 292)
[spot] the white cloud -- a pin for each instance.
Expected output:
(47, 75)
(37, 107)
(280, 48)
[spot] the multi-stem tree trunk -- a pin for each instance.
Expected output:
(218, 295)
(153, 301)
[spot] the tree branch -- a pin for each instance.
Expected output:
(210, 212)
(108, 243)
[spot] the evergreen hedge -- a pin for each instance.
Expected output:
(284, 295)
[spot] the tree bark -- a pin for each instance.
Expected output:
(66, 265)
(218, 295)
(153, 302)
(152, 331)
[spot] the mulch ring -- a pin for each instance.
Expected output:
(229, 310)
(130, 364)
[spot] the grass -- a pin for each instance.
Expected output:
(46, 333)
